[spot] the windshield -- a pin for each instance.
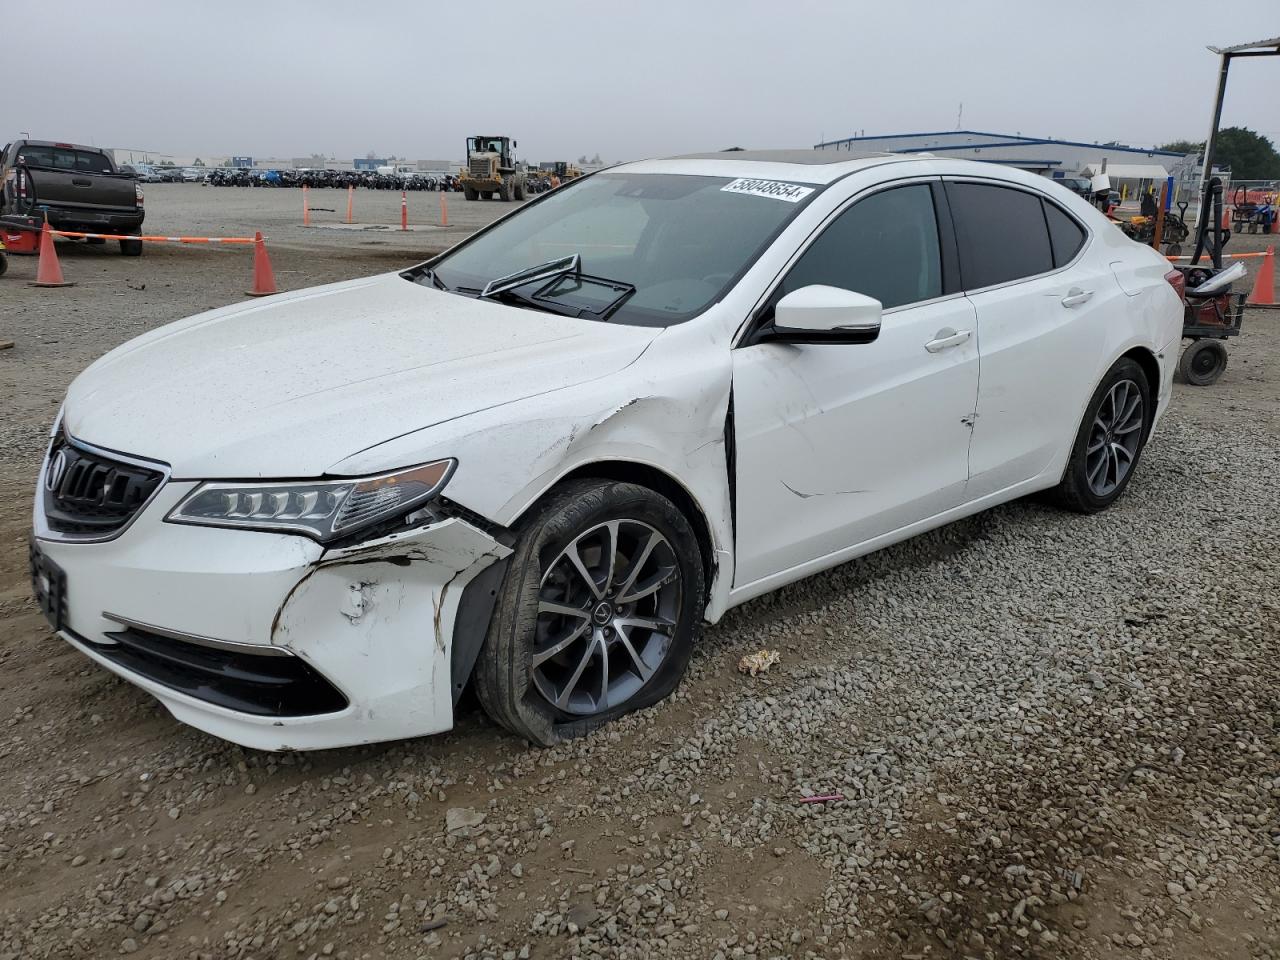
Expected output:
(681, 241)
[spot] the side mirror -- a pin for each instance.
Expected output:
(821, 314)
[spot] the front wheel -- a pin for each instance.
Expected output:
(597, 615)
(1109, 442)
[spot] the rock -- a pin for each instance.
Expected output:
(462, 818)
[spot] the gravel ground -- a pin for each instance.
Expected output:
(1054, 736)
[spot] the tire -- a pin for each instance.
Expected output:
(1097, 475)
(1202, 363)
(487, 194)
(469, 193)
(1173, 250)
(131, 248)
(519, 192)
(594, 677)
(504, 191)
(4, 264)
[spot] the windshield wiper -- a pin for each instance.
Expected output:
(542, 271)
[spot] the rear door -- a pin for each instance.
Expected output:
(1042, 303)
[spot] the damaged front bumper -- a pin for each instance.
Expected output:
(272, 641)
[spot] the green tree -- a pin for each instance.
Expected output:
(1249, 155)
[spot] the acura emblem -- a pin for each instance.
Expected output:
(57, 467)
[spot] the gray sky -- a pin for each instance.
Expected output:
(627, 80)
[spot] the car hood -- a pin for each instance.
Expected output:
(290, 386)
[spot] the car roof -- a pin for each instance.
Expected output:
(61, 143)
(798, 166)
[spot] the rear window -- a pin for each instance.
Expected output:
(1066, 236)
(1001, 233)
(65, 158)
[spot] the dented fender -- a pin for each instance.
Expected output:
(666, 411)
(377, 620)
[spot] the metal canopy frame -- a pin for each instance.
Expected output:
(1259, 48)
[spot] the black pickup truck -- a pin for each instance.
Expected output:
(76, 187)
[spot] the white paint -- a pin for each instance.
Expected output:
(841, 448)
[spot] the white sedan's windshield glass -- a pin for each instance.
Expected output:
(681, 241)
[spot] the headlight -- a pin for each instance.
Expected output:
(323, 509)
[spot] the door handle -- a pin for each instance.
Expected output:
(1075, 296)
(81, 182)
(947, 338)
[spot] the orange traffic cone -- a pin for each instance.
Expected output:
(264, 281)
(1264, 287)
(48, 271)
(1226, 219)
(444, 210)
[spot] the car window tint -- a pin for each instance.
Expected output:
(1001, 233)
(92, 162)
(64, 159)
(36, 156)
(884, 246)
(1066, 235)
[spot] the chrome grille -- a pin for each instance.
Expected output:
(87, 493)
(479, 168)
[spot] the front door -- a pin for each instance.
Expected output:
(838, 444)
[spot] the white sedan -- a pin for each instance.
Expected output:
(539, 462)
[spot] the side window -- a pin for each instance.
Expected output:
(884, 246)
(1001, 233)
(1065, 234)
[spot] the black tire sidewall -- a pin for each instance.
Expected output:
(1123, 369)
(1187, 360)
(567, 515)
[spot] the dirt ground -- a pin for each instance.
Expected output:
(1052, 736)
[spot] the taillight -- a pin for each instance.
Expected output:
(22, 184)
(137, 193)
(1178, 280)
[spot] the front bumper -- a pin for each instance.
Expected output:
(237, 632)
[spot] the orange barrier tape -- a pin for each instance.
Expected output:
(133, 236)
(1225, 256)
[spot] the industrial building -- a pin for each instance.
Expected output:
(1131, 168)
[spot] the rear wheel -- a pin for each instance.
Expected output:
(597, 615)
(4, 264)
(519, 192)
(1109, 442)
(504, 191)
(1202, 363)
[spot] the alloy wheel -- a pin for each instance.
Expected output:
(608, 606)
(1114, 438)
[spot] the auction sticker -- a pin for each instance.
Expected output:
(775, 189)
